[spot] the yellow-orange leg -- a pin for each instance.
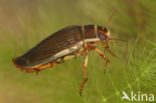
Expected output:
(44, 66)
(106, 47)
(103, 56)
(84, 73)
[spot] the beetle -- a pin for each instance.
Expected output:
(67, 43)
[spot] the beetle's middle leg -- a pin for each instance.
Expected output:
(103, 56)
(84, 72)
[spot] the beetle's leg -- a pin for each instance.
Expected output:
(110, 52)
(46, 66)
(103, 56)
(84, 72)
(107, 48)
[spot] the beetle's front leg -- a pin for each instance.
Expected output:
(103, 56)
(84, 72)
(107, 48)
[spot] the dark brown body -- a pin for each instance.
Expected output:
(63, 39)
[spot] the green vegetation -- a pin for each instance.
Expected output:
(24, 23)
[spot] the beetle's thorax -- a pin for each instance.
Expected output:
(94, 33)
(90, 33)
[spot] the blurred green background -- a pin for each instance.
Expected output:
(24, 23)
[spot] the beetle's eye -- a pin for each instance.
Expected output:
(102, 36)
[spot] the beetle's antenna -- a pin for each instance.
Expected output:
(110, 18)
(116, 39)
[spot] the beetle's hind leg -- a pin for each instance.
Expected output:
(84, 73)
(103, 56)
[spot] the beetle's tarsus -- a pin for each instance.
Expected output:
(82, 85)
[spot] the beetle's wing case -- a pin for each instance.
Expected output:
(46, 49)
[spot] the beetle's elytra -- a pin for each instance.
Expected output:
(65, 44)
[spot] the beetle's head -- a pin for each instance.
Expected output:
(104, 34)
